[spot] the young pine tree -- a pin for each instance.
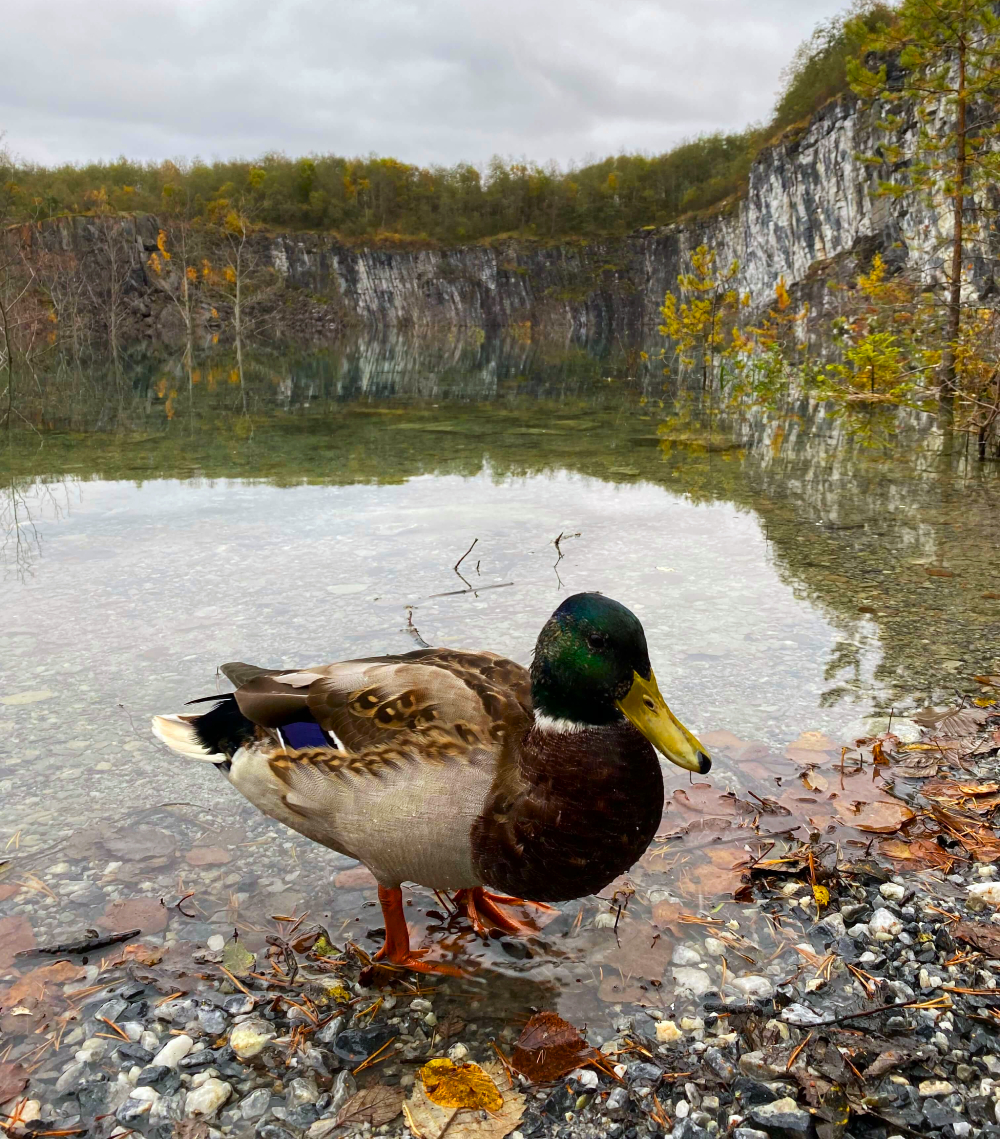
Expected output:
(939, 62)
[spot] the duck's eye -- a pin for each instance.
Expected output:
(597, 640)
(649, 702)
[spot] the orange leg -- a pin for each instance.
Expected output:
(396, 950)
(484, 911)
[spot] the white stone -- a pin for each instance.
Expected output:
(667, 1032)
(457, 1053)
(696, 981)
(250, 1038)
(207, 1099)
(692, 1023)
(683, 1109)
(216, 942)
(144, 1095)
(884, 925)
(685, 955)
(586, 1077)
(715, 947)
(175, 1049)
(892, 892)
(753, 987)
(935, 1087)
(986, 891)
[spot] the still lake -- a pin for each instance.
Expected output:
(794, 575)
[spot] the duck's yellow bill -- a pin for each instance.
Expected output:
(647, 709)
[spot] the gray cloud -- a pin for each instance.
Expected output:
(434, 81)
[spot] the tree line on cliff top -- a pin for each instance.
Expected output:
(364, 198)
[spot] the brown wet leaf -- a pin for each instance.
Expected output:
(723, 741)
(10, 890)
(922, 852)
(979, 935)
(34, 984)
(884, 816)
(549, 1047)
(913, 764)
(143, 913)
(811, 748)
(137, 844)
(460, 1085)
(938, 571)
(814, 781)
(952, 722)
(207, 856)
(637, 952)
(16, 935)
(375, 1105)
(708, 881)
(428, 1120)
(979, 797)
(13, 1081)
(991, 681)
(666, 915)
(357, 878)
(144, 954)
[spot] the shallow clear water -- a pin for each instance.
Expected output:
(780, 571)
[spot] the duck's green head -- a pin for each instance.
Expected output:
(591, 667)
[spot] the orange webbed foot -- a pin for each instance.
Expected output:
(485, 911)
(396, 953)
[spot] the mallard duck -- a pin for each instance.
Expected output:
(460, 770)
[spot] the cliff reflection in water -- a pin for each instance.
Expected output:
(894, 540)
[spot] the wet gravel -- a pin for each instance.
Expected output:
(776, 1052)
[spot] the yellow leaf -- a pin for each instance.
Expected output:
(460, 1086)
(822, 895)
(234, 376)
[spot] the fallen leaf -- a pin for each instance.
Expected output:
(916, 764)
(810, 748)
(13, 1081)
(460, 1085)
(136, 844)
(16, 935)
(952, 722)
(375, 1105)
(723, 741)
(822, 895)
(237, 958)
(666, 915)
(428, 1120)
(9, 891)
(923, 852)
(208, 856)
(814, 781)
(549, 1047)
(358, 878)
(144, 954)
(146, 914)
(938, 571)
(884, 816)
(980, 935)
(33, 984)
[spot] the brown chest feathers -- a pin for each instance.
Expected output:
(581, 810)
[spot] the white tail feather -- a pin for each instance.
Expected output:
(178, 734)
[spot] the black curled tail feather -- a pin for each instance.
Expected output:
(223, 728)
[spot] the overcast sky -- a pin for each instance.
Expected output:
(427, 81)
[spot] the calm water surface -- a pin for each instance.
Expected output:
(792, 576)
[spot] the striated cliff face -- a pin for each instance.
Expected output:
(810, 205)
(811, 200)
